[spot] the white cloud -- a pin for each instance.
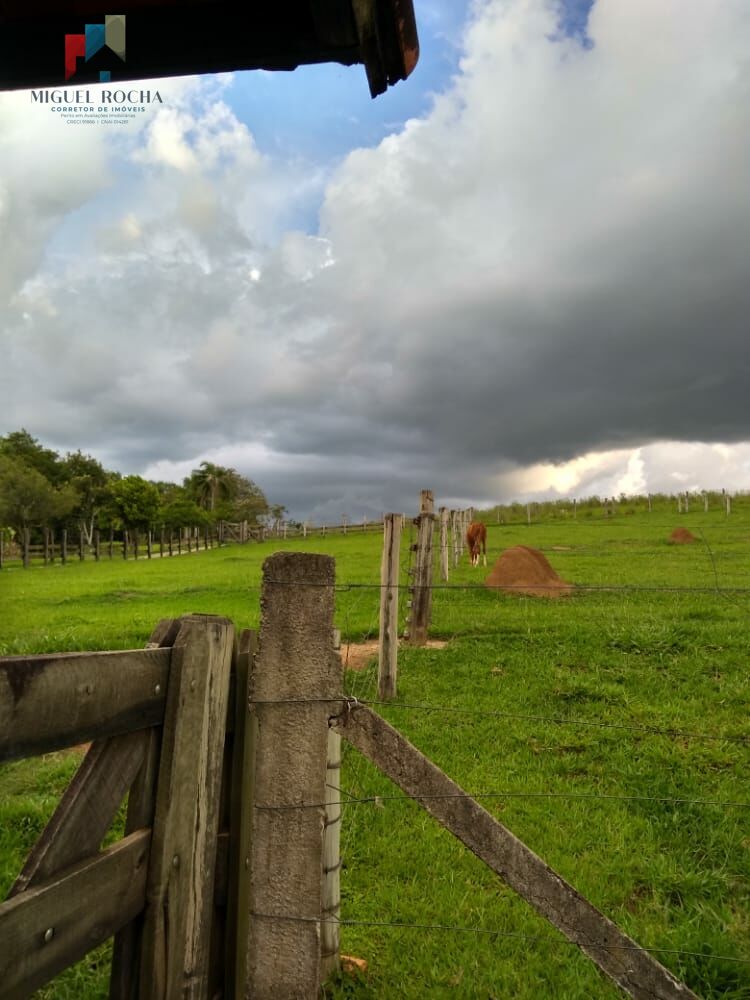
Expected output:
(525, 290)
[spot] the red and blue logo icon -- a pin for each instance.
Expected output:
(109, 35)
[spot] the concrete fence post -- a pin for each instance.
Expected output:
(295, 687)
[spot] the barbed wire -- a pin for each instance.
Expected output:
(576, 587)
(378, 799)
(651, 730)
(547, 938)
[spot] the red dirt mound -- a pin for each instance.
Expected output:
(522, 570)
(681, 536)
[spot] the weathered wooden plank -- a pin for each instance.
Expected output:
(220, 971)
(331, 901)
(241, 808)
(126, 950)
(388, 632)
(633, 969)
(59, 700)
(177, 921)
(421, 591)
(47, 928)
(164, 634)
(86, 809)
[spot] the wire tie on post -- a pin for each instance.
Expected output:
(350, 703)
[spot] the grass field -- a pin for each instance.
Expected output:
(654, 638)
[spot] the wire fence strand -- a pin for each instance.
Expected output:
(546, 938)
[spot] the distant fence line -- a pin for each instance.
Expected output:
(67, 544)
(160, 542)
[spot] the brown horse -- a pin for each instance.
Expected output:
(476, 539)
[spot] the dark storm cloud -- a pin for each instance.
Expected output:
(553, 262)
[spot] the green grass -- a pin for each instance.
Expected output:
(675, 876)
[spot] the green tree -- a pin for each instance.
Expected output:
(21, 446)
(90, 481)
(248, 502)
(226, 494)
(134, 501)
(28, 500)
(276, 512)
(210, 484)
(181, 511)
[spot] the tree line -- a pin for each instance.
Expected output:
(41, 489)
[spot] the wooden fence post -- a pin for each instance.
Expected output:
(421, 590)
(126, 947)
(179, 898)
(444, 544)
(148, 544)
(2, 547)
(455, 536)
(97, 545)
(45, 535)
(81, 546)
(124, 543)
(388, 645)
(26, 548)
(296, 687)
(111, 541)
(64, 546)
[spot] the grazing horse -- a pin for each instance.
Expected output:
(476, 539)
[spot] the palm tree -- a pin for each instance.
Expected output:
(211, 483)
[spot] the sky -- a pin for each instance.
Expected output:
(522, 273)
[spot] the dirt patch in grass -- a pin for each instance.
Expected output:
(522, 570)
(681, 536)
(359, 655)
